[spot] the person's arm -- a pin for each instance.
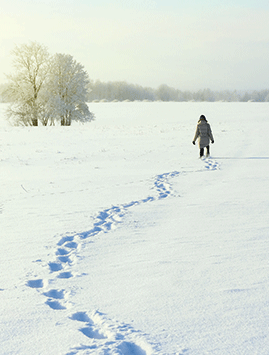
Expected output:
(197, 134)
(210, 134)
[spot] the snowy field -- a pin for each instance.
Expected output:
(117, 239)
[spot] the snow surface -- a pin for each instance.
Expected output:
(117, 239)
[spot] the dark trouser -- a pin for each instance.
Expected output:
(202, 151)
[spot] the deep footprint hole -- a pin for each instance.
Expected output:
(62, 251)
(71, 245)
(35, 283)
(127, 348)
(55, 267)
(64, 259)
(81, 317)
(65, 275)
(92, 334)
(64, 240)
(57, 294)
(55, 305)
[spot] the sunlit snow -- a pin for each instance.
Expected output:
(117, 239)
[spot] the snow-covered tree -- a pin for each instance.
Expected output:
(46, 89)
(31, 62)
(66, 96)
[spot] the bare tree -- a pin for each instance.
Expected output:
(32, 62)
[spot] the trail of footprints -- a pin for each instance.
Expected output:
(98, 328)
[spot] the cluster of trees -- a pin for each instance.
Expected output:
(45, 89)
(120, 91)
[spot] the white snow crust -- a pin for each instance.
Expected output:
(116, 239)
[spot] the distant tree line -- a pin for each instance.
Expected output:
(63, 87)
(122, 91)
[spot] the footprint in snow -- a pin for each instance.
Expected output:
(81, 317)
(57, 294)
(90, 330)
(71, 245)
(56, 305)
(63, 255)
(65, 275)
(108, 336)
(65, 239)
(62, 251)
(53, 266)
(35, 283)
(91, 333)
(56, 299)
(163, 185)
(52, 295)
(211, 164)
(127, 348)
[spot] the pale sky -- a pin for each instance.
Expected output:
(186, 44)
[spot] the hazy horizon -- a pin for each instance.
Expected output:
(193, 46)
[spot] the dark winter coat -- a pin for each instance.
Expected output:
(204, 133)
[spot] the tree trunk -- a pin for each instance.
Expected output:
(66, 121)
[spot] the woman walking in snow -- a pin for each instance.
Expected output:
(204, 133)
